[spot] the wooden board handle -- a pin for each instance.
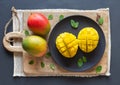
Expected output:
(6, 41)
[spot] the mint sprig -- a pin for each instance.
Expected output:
(52, 66)
(61, 17)
(84, 59)
(100, 20)
(48, 54)
(31, 62)
(26, 32)
(74, 24)
(42, 64)
(50, 17)
(81, 61)
(98, 69)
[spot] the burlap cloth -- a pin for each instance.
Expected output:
(21, 66)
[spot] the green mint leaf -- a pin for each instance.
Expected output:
(80, 62)
(98, 69)
(74, 24)
(42, 64)
(50, 17)
(84, 59)
(48, 54)
(31, 62)
(61, 17)
(52, 66)
(26, 32)
(100, 20)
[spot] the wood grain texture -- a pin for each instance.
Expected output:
(36, 68)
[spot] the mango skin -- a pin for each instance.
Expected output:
(88, 39)
(38, 24)
(67, 44)
(35, 45)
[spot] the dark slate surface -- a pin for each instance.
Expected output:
(6, 59)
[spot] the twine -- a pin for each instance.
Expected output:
(9, 21)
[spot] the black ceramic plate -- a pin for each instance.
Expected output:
(71, 64)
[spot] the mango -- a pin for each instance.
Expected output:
(67, 44)
(38, 24)
(88, 39)
(35, 45)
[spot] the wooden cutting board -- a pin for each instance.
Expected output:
(36, 69)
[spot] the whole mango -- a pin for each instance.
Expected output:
(35, 45)
(38, 24)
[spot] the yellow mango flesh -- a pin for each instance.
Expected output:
(67, 44)
(88, 39)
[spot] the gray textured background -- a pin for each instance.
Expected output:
(6, 59)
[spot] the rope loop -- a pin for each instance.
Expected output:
(13, 10)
